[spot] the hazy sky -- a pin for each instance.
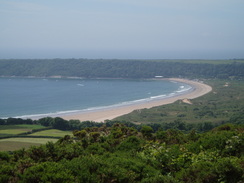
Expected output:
(158, 29)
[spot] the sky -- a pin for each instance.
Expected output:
(122, 29)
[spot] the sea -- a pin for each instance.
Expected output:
(40, 97)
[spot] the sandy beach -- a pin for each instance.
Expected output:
(199, 89)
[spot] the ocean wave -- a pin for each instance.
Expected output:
(183, 90)
(159, 96)
(80, 84)
(51, 114)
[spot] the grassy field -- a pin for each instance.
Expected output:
(52, 132)
(6, 130)
(11, 144)
(225, 100)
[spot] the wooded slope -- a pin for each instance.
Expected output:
(122, 68)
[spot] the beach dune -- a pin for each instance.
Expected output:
(199, 89)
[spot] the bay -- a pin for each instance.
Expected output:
(25, 97)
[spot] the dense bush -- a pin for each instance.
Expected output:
(124, 154)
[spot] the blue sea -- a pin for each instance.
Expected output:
(33, 97)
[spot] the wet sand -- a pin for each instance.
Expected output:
(199, 89)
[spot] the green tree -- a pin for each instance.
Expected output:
(80, 134)
(147, 131)
(47, 121)
(60, 124)
(48, 172)
(2, 122)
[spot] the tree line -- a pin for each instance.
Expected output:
(62, 124)
(95, 68)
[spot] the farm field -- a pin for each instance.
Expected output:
(11, 144)
(52, 132)
(18, 142)
(6, 130)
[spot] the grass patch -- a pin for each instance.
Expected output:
(33, 127)
(12, 144)
(17, 129)
(15, 143)
(52, 132)
(14, 131)
(6, 127)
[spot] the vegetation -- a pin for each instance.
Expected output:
(14, 137)
(12, 144)
(123, 154)
(18, 129)
(123, 68)
(52, 132)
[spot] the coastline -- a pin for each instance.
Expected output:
(199, 89)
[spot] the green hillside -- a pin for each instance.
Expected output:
(123, 68)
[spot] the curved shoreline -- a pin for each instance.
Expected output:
(199, 89)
